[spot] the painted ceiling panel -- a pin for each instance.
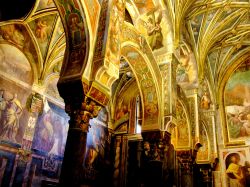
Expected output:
(17, 35)
(42, 28)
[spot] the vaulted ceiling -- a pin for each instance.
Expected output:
(216, 30)
(40, 37)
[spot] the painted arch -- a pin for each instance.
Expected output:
(137, 53)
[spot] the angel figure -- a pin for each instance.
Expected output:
(155, 36)
(41, 30)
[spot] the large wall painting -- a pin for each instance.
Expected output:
(51, 130)
(236, 166)
(14, 62)
(13, 113)
(237, 104)
(97, 165)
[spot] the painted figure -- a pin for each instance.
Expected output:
(205, 101)
(76, 29)
(245, 130)
(12, 34)
(187, 76)
(235, 173)
(155, 36)
(235, 125)
(122, 110)
(10, 117)
(41, 30)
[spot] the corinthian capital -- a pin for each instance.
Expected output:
(80, 114)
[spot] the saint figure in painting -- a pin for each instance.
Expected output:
(155, 36)
(205, 101)
(235, 172)
(76, 29)
(10, 119)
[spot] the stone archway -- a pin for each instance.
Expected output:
(71, 89)
(136, 51)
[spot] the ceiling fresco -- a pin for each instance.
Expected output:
(42, 30)
(214, 36)
(34, 45)
(219, 34)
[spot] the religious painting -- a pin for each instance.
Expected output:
(205, 96)
(43, 4)
(186, 72)
(14, 62)
(76, 29)
(18, 35)
(154, 30)
(13, 113)
(78, 39)
(155, 26)
(123, 101)
(237, 104)
(117, 15)
(203, 153)
(236, 167)
(97, 165)
(51, 130)
(42, 28)
(122, 108)
(13, 34)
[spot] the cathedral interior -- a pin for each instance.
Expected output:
(125, 93)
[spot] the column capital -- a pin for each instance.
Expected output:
(80, 114)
